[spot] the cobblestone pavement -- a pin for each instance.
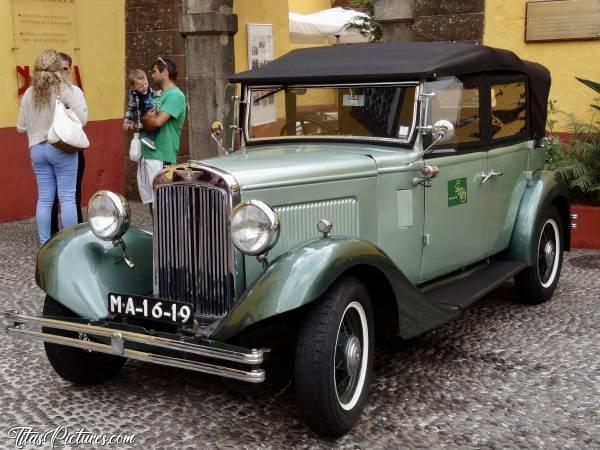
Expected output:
(503, 375)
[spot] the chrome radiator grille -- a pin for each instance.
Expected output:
(192, 247)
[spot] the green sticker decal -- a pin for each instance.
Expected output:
(457, 191)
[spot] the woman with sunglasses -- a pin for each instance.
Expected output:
(67, 67)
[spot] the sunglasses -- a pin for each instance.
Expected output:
(162, 61)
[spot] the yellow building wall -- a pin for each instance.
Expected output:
(100, 29)
(308, 6)
(505, 28)
(273, 12)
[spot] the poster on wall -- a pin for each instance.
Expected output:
(260, 52)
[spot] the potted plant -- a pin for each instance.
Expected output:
(577, 160)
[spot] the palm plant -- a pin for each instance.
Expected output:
(367, 26)
(593, 85)
(578, 160)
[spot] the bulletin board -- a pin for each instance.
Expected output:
(260, 52)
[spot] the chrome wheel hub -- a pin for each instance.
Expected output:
(351, 356)
(549, 253)
(353, 353)
(549, 248)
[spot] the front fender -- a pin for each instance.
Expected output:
(546, 188)
(79, 270)
(301, 275)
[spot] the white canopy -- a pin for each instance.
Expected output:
(330, 25)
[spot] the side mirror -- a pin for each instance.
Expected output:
(442, 131)
(216, 133)
(216, 128)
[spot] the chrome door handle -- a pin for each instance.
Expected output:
(487, 176)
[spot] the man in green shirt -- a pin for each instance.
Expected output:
(168, 116)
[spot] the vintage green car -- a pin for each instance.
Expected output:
(369, 191)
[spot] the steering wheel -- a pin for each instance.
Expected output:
(307, 125)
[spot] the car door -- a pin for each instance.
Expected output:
(455, 201)
(454, 215)
(507, 160)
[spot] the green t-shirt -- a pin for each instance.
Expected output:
(171, 101)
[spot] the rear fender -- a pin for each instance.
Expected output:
(302, 275)
(79, 270)
(546, 189)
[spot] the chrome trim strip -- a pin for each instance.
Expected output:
(405, 167)
(246, 124)
(380, 83)
(295, 182)
(210, 349)
(413, 129)
(229, 179)
(332, 138)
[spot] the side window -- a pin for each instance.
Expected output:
(467, 127)
(458, 102)
(509, 109)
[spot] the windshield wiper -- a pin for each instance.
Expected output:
(268, 94)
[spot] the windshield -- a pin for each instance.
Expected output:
(360, 111)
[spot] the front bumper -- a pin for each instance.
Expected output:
(191, 349)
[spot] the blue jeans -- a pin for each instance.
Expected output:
(54, 169)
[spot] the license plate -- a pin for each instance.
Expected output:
(151, 308)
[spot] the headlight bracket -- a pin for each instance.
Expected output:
(263, 259)
(125, 256)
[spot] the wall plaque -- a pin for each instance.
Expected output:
(39, 25)
(42, 24)
(562, 20)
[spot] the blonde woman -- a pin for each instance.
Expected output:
(54, 169)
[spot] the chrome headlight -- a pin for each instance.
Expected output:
(254, 227)
(108, 215)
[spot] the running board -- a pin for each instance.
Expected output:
(118, 339)
(466, 291)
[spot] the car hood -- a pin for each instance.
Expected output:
(285, 165)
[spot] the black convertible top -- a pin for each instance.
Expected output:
(388, 62)
(409, 61)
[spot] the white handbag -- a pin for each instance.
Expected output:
(135, 148)
(66, 129)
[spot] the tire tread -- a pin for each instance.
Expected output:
(315, 392)
(527, 284)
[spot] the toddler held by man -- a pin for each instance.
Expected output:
(140, 100)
